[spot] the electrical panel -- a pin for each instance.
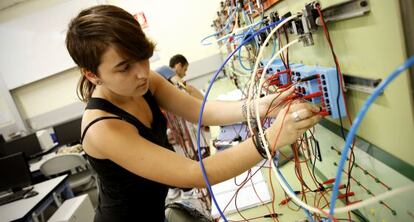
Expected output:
(315, 70)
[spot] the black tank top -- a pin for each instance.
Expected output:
(124, 196)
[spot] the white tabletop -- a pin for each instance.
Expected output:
(18, 209)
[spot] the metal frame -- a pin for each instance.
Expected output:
(407, 18)
(345, 10)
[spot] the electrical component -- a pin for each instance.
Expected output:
(310, 85)
(311, 14)
(319, 85)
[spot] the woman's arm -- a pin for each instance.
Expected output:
(174, 100)
(215, 112)
(119, 141)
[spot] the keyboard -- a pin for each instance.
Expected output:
(13, 197)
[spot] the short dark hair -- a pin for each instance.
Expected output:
(96, 28)
(178, 59)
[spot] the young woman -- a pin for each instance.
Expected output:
(123, 130)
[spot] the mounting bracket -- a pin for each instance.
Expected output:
(361, 84)
(345, 10)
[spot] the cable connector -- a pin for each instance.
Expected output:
(274, 215)
(309, 78)
(285, 201)
(329, 181)
(342, 196)
(312, 95)
(324, 113)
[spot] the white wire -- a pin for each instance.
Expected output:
(256, 65)
(373, 200)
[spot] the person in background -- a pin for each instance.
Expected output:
(124, 132)
(179, 64)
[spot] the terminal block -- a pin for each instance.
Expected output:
(320, 86)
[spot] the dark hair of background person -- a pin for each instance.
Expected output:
(94, 30)
(178, 59)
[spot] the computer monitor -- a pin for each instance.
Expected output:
(68, 133)
(29, 145)
(14, 172)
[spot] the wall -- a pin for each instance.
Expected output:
(47, 94)
(37, 37)
(10, 119)
(176, 27)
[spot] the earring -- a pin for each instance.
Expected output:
(98, 82)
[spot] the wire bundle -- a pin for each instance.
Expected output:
(305, 150)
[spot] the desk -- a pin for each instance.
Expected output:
(28, 209)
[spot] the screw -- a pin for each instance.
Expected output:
(363, 3)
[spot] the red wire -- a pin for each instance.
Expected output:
(272, 188)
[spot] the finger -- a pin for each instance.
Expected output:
(301, 132)
(308, 123)
(281, 95)
(304, 105)
(301, 114)
(287, 92)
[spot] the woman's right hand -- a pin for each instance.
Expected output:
(291, 122)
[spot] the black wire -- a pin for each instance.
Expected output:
(287, 49)
(235, 131)
(282, 57)
(339, 111)
(363, 219)
(314, 164)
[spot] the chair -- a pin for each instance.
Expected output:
(81, 174)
